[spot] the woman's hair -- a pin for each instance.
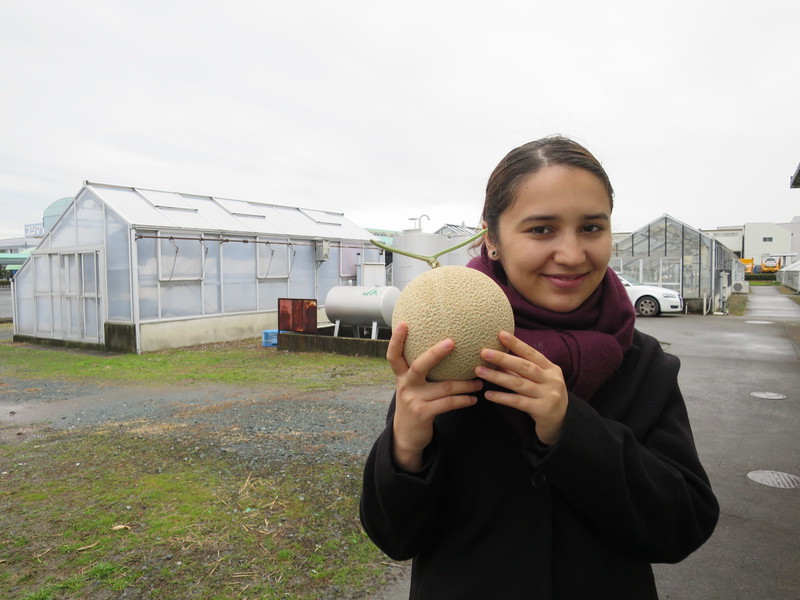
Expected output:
(528, 159)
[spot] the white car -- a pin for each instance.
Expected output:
(650, 300)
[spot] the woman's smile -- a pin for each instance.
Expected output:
(564, 281)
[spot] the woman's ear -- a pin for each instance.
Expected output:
(491, 246)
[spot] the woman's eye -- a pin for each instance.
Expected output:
(540, 230)
(593, 228)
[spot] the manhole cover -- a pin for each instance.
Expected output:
(768, 395)
(775, 479)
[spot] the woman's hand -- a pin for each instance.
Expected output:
(536, 385)
(418, 401)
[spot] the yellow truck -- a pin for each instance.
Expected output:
(748, 265)
(770, 264)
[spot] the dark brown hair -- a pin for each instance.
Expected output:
(528, 159)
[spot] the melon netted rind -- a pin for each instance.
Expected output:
(458, 303)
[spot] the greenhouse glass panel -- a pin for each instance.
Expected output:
(301, 285)
(674, 239)
(181, 299)
(632, 267)
(25, 318)
(133, 208)
(240, 208)
(705, 267)
(63, 234)
(55, 273)
(691, 264)
(274, 257)
(147, 270)
(166, 199)
(118, 266)
(44, 317)
(190, 219)
(319, 216)
(72, 317)
(671, 273)
(212, 293)
(625, 246)
(69, 274)
(269, 290)
(221, 218)
(179, 259)
(651, 270)
(89, 270)
(238, 276)
(41, 266)
(328, 274)
(91, 318)
(57, 324)
(641, 243)
(349, 260)
(658, 232)
(691, 276)
(89, 212)
(288, 220)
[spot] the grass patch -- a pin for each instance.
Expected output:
(737, 304)
(763, 282)
(107, 512)
(792, 294)
(125, 512)
(243, 362)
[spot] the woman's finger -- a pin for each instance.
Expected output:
(426, 361)
(510, 365)
(394, 351)
(521, 349)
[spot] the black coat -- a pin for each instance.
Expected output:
(496, 515)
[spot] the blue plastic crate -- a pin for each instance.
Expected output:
(269, 338)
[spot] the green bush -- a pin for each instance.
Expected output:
(760, 277)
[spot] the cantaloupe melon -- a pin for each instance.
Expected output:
(458, 303)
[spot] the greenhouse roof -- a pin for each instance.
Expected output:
(659, 220)
(148, 208)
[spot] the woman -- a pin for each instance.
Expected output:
(570, 467)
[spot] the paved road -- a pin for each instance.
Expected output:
(754, 552)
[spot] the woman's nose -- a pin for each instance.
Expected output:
(569, 251)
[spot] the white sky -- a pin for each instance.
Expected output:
(386, 111)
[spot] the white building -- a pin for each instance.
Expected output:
(731, 237)
(766, 239)
(132, 269)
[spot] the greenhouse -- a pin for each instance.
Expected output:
(790, 276)
(671, 254)
(136, 270)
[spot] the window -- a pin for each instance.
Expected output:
(766, 239)
(180, 257)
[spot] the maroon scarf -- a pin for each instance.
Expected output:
(588, 343)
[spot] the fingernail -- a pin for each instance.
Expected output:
(488, 354)
(447, 344)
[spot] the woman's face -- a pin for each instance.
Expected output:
(554, 240)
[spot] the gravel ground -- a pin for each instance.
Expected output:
(254, 425)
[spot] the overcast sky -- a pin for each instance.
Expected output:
(386, 111)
